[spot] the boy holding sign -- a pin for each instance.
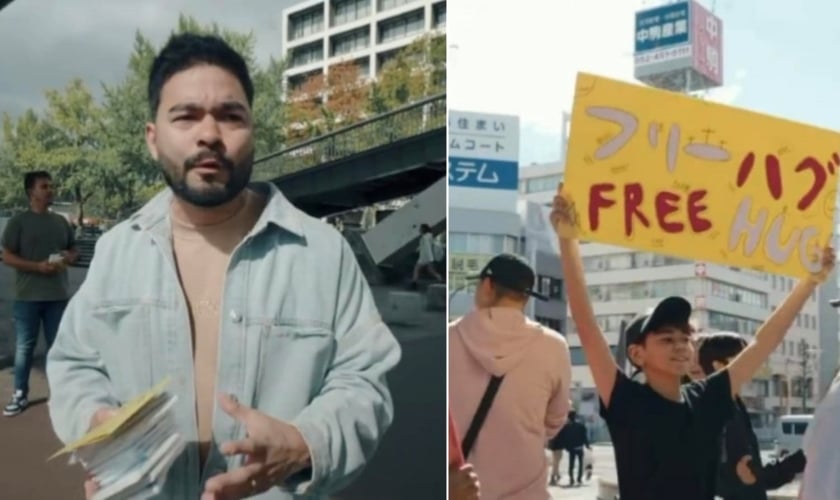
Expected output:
(666, 435)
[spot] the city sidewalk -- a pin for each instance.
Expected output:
(27, 440)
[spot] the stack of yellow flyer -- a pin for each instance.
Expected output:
(130, 454)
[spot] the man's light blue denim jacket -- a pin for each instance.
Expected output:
(300, 340)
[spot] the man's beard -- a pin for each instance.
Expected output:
(209, 196)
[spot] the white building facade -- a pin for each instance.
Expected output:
(322, 33)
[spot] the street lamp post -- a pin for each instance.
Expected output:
(804, 354)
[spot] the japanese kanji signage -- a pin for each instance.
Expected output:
(484, 155)
(661, 171)
(707, 43)
(680, 39)
(662, 27)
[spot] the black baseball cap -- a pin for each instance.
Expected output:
(669, 311)
(512, 272)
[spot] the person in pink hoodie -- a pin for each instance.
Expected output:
(520, 371)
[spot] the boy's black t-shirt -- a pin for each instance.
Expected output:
(665, 450)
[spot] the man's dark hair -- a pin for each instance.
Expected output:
(184, 51)
(30, 178)
(425, 228)
(719, 346)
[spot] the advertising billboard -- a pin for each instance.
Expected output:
(663, 39)
(483, 160)
(662, 27)
(678, 47)
(707, 43)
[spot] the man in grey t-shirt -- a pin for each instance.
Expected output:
(39, 245)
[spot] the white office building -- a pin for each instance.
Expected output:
(321, 33)
(624, 282)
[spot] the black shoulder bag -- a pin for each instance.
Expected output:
(481, 414)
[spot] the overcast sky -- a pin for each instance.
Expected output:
(46, 43)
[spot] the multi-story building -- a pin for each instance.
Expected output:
(321, 33)
(491, 233)
(624, 282)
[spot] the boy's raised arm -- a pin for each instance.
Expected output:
(595, 345)
(773, 330)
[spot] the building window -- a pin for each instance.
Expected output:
(628, 260)
(643, 290)
(296, 81)
(609, 322)
(550, 287)
(734, 293)
(554, 324)
(351, 41)
(579, 358)
(364, 66)
(542, 184)
(347, 11)
(401, 27)
(485, 244)
(392, 4)
(439, 15)
(725, 322)
(384, 57)
(307, 54)
(306, 23)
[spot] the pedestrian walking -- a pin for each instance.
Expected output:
(426, 258)
(576, 438)
(556, 445)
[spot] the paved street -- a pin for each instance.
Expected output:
(408, 465)
(27, 440)
(604, 467)
(411, 462)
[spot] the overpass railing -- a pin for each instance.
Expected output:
(401, 123)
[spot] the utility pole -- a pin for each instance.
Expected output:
(804, 352)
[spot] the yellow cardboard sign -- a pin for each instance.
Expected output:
(116, 423)
(660, 171)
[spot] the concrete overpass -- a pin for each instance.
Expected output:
(396, 154)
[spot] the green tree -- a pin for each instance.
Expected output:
(23, 140)
(413, 73)
(324, 102)
(66, 141)
(97, 152)
(126, 112)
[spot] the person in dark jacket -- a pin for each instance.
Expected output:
(556, 445)
(574, 439)
(741, 475)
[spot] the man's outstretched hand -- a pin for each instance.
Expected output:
(273, 449)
